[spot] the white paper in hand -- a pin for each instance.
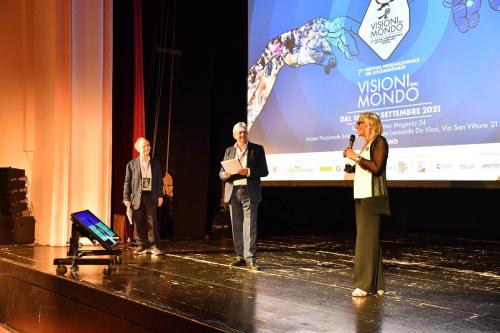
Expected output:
(232, 166)
(129, 214)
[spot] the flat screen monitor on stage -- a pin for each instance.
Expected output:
(429, 69)
(96, 228)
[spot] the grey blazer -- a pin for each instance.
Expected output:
(132, 186)
(256, 162)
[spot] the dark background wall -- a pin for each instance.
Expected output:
(470, 213)
(204, 68)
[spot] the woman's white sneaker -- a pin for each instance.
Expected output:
(358, 293)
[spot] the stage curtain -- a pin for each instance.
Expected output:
(57, 104)
(139, 114)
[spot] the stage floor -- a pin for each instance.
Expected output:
(433, 284)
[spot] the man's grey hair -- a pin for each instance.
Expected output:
(239, 126)
(138, 141)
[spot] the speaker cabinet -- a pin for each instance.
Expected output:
(9, 173)
(17, 230)
(23, 230)
(16, 226)
(6, 235)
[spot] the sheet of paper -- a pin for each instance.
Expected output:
(231, 166)
(129, 215)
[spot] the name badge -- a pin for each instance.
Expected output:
(146, 184)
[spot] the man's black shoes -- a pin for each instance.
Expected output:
(240, 262)
(252, 265)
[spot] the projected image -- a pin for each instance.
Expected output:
(466, 12)
(309, 44)
(430, 69)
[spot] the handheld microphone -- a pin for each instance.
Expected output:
(351, 141)
(349, 168)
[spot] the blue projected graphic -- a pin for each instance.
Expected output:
(311, 73)
(430, 69)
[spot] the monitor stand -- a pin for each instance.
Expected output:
(75, 256)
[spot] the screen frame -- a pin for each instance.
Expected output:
(462, 184)
(446, 181)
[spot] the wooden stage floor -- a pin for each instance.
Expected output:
(434, 284)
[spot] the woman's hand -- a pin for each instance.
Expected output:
(349, 153)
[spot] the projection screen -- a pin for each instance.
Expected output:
(429, 68)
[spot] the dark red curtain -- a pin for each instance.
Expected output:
(128, 93)
(139, 115)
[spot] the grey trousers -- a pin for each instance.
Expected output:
(146, 222)
(244, 223)
(368, 270)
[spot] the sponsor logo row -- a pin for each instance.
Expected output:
(401, 167)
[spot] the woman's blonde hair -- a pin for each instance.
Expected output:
(374, 126)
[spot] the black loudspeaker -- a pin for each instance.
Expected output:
(17, 196)
(23, 230)
(9, 186)
(12, 185)
(9, 173)
(17, 230)
(13, 208)
(6, 236)
(15, 226)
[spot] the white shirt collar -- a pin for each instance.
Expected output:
(245, 146)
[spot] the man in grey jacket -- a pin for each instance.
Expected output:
(242, 191)
(143, 191)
